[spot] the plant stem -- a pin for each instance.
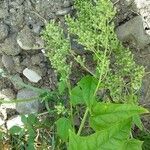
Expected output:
(71, 108)
(83, 121)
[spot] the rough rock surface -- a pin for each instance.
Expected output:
(21, 45)
(128, 33)
(27, 107)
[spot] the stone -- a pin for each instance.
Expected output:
(26, 62)
(64, 11)
(3, 10)
(133, 31)
(67, 3)
(16, 60)
(3, 31)
(10, 47)
(40, 70)
(31, 75)
(28, 107)
(17, 81)
(1, 63)
(27, 41)
(8, 62)
(36, 59)
(15, 121)
(19, 69)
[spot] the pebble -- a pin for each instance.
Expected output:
(63, 11)
(10, 47)
(36, 59)
(31, 75)
(3, 31)
(8, 62)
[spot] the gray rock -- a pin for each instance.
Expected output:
(28, 106)
(15, 121)
(36, 59)
(31, 75)
(3, 10)
(3, 31)
(26, 62)
(40, 70)
(19, 69)
(1, 64)
(8, 62)
(10, 46)
(67, 3)
(133, 31)
(27, 40)
(16, 60)
(64, 11)
(16, 14)
(17, 80)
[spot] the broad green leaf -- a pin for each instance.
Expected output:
(63, 127)
(112, 138)
(132, 145)
(105, 114)
(76, 96)
(83, 93)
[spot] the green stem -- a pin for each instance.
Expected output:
(71, 107)
(83, 121)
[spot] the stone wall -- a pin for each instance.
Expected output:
(22, 49)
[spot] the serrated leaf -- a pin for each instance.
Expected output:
(83, 93)
(63, 127)
(113, 138)
(105, 114)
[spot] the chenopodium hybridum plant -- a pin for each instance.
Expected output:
(111, 117)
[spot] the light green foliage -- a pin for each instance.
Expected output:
(58, 49)
(95, 29)
(115, 71)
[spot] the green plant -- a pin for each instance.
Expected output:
(99, 111)
(111, 117)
